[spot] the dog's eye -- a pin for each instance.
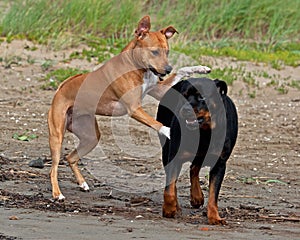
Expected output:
(155, 52)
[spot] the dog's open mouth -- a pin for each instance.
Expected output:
(160, 75)
(194, 123)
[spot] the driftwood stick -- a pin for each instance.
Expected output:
(281, 218)
(241, 196)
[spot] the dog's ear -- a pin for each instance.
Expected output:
(169, 31)
(143, 28)
(222, 86)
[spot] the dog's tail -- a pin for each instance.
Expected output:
(222, 86)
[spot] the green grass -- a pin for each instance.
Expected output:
(26, 136)
(227, 74)
(243, 51)
(42, 20)
(99, 48)
(55, 77)
(269, 21)
(265, 25)
(230, 74)
(295, 84)
(259, 31)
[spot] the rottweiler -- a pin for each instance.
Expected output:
(204, 129)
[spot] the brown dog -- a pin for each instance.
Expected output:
(116, 88)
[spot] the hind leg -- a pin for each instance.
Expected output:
(56, 127)
(171, 206)
(172, 169)
(216, 177)
(85, 127)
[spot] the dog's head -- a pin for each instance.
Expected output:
(200, 102)
(151, 49)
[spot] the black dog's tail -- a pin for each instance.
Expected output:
(231, 115)
(222, 86)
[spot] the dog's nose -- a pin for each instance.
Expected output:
(168, 69)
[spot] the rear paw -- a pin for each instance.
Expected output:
(169, 214)
(84, 187)
(197, 203)
(59, 198)
(171, 211)
(217, 221)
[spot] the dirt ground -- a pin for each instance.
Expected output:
(260, 196)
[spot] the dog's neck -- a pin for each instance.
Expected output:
(131, 56)
(150, 79)
(131, 45)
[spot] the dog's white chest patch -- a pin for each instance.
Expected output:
(150, 80)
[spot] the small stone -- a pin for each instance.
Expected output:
(38, 163)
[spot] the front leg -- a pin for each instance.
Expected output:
(170, 205)
(197, 198)
(185, 72)
(172, 166)
(143, 117)
(162, 87)
(132, 101)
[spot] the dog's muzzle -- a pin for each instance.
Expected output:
(191, 119)
(167, 70)
(194, 124)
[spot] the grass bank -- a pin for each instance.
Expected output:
(264, 31)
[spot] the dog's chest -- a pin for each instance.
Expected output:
(150, 80)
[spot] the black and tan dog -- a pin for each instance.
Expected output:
(204, 127)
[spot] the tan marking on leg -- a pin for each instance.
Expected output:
(170, 206)
(212, 208)
(197, 198)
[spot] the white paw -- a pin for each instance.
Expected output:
(187, 71)
(165, 131)
(61, 197)
(84, 186)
